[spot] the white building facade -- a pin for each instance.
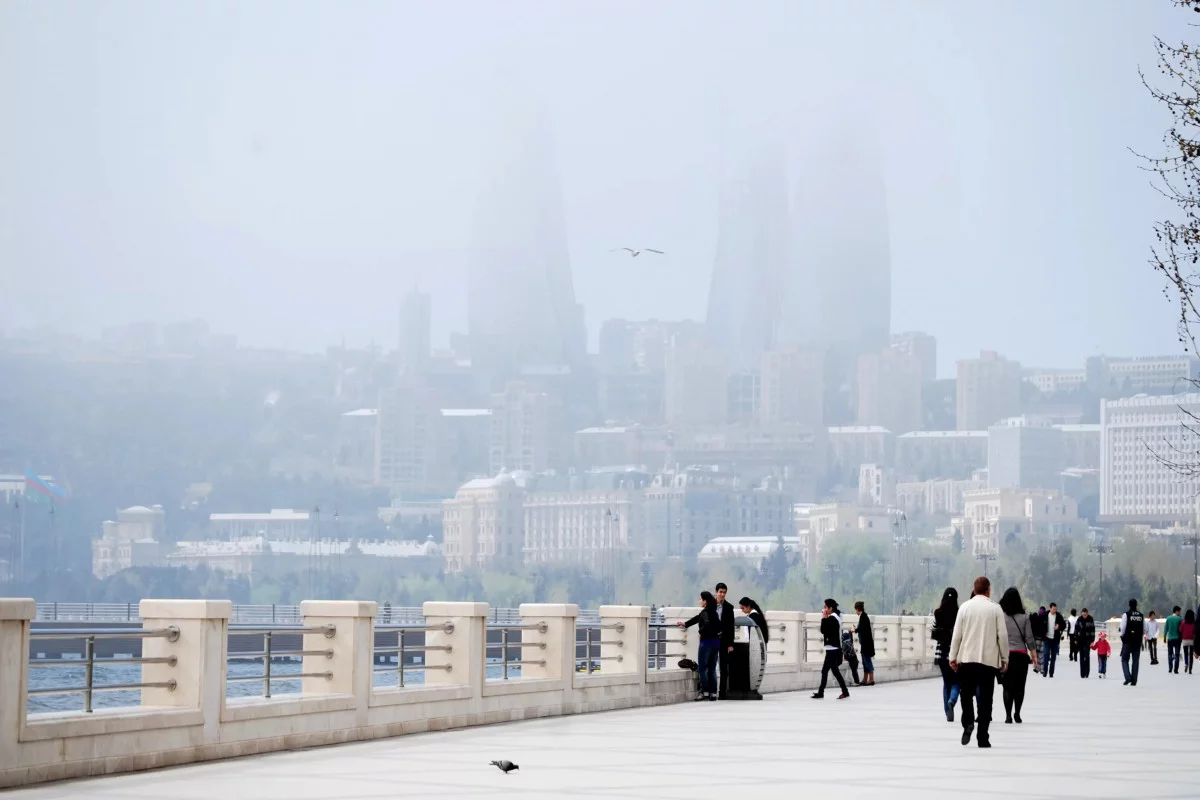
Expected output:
(1144, 442)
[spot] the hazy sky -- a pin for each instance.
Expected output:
(288, 169)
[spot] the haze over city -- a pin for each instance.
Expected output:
(288, 171)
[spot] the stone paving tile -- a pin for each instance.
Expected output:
(886, 742)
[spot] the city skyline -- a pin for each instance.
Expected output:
(321, 163)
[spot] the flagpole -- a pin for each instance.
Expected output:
(21, 541)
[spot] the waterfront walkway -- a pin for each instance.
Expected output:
(1081, 739)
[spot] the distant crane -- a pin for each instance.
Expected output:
(635, 253)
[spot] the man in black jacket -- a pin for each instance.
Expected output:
(725, 615)
(1055, 626)
(1085, 634)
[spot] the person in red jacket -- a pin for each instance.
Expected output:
(1103, 651)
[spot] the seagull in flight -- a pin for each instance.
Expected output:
(635, 253)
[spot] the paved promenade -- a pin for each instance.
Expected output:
(1081, 739)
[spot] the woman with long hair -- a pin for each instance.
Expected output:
(1021, 653)
(943, 631)
(751, 610)
(1188, 631)
(709, 627)
(831, 637)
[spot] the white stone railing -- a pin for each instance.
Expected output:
(185, 715)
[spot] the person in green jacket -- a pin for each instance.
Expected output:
(1174, 639)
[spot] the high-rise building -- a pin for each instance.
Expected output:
(618, 346)
(752, 232)
(521, 299)
(1175, 374)
(1025, 453)
(923, 347)
(415, 332)
(406, 449)
(989, 390)
(745, 397)
(696, 386)
(526, 432)
(793, 388)
(837, 290)
(889, 390)
(1148, 449)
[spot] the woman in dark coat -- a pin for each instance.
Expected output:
(710, 645)
(866, 643)
(943, 631)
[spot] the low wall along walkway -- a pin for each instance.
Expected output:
(526, 669)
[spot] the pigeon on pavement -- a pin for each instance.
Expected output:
(505, 766)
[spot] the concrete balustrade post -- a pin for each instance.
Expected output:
(786, 647)
(689, 647)
(15, 615)
(199, 652)
(555, 645)
(464, 631)
(815, 644)
(349, 649)
(888, 628)
(624, 651)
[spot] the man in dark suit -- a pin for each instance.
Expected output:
(1055, 627)
(725, 616)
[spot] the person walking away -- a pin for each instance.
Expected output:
(751, 610)
(709, 628)
(1103, 650)
(1174, 639)
(1021, 654)
(831, 635)
(1055, 626)
(849, 656)
(866, 643)
(1040, 625)
(725, 617)
(1071, 640)
(1133, 628)
(1152, 636)
(943, 630)
(1085, 634)
(978, 654)
(1187, 632)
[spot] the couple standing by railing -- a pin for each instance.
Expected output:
(716, 625)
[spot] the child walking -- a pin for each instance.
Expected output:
(850, 656)
(1103, 650)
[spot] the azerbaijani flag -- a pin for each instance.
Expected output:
(35, 484)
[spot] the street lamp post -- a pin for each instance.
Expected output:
(833, 569)
(883, 562)
(985, 558)
(1194, 541)
(1100, 549)
(900, 539)
(929, 561)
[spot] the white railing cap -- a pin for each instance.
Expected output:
(185, 609)
(21, 608)
(338, 608)
(445, 608)
(548, 610)
(625, 612)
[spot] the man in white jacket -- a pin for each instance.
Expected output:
(978, 653)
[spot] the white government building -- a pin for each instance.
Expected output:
(1140, 438)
